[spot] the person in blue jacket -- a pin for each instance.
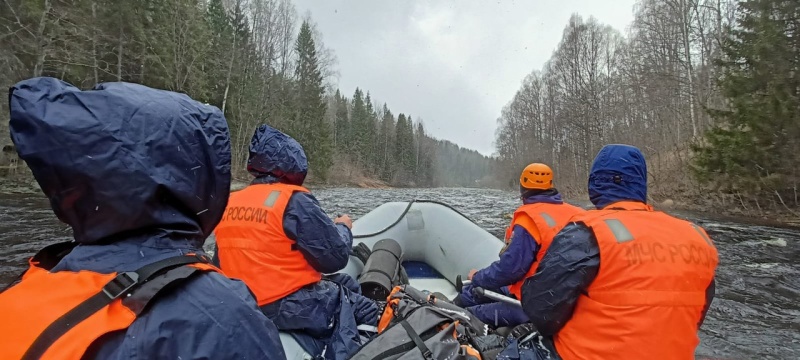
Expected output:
(278, 240)
(142, 175)
(617, 182)
(531, 231)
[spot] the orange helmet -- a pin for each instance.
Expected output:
(536, 176)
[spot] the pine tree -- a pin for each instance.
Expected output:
(404, 150)
(358, 119)
(217, 67)
(387, 142)
(755, 146)
(309, 126)
(368, 135)
(409, 148)
(342, 130)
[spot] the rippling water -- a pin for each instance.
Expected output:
(755, 313)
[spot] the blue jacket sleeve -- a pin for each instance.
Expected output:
(513, 264)
(566, 270)
(325, 245)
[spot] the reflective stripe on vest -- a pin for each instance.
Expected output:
(647, 298)
(548, 219)
(59, 315)
(253, 247)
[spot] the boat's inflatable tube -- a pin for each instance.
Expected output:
(382, 270)
(429, 232)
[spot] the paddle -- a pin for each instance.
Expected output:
(486, 293)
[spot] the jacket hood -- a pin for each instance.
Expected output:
(273, 153)
(619, 173)
(550, 196)
(123, 160)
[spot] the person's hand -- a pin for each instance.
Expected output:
(471, 274)
(345, 220)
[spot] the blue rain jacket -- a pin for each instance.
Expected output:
(619, 173)
(512, 266)
(142, 175)
(324, 315)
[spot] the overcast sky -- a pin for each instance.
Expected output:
(453, 64)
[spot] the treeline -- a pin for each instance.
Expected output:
(246, 57)
(396, 149)
(372, 140)
(686, 68)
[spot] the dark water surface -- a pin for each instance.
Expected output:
(755, 314)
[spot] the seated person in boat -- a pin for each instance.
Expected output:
(534, 224)
(142, 177)
(276, 238)
(623, 281)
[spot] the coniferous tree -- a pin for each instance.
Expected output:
(358, 117)
(755, 146)
(309, 126)
(342, 126)
(387, 137)
(367, 135)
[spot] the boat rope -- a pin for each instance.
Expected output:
(403, 214)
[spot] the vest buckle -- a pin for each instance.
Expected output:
(121, 284)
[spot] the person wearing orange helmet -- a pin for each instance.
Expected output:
(532, 228)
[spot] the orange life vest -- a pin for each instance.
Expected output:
(253, 247)
(649, 293)
(542, 221)
(59, 315)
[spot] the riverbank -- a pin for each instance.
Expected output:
(765, 217)
(706, 207)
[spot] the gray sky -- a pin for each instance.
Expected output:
(454, 64)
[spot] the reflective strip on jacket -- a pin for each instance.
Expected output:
(650, 291)
(253, 246)
(547, 220)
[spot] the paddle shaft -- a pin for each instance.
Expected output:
(487, 293)
(497, 296)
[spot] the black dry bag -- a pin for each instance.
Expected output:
(382, 272)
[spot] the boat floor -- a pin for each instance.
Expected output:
(423, 277)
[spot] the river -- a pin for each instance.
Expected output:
(756, 312)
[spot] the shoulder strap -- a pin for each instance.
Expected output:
(123, 284)
(420, 344)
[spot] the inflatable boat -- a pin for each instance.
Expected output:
(437, 244)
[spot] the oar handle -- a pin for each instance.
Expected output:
(496, 296)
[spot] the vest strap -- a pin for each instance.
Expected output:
(124, 283)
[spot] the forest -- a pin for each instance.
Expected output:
(259, 61)
(708, 89)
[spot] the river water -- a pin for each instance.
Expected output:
(756, 312)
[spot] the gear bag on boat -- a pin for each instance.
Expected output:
(383, 269)
(415, 325)
(77, 308)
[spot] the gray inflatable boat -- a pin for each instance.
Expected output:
(438, 243)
